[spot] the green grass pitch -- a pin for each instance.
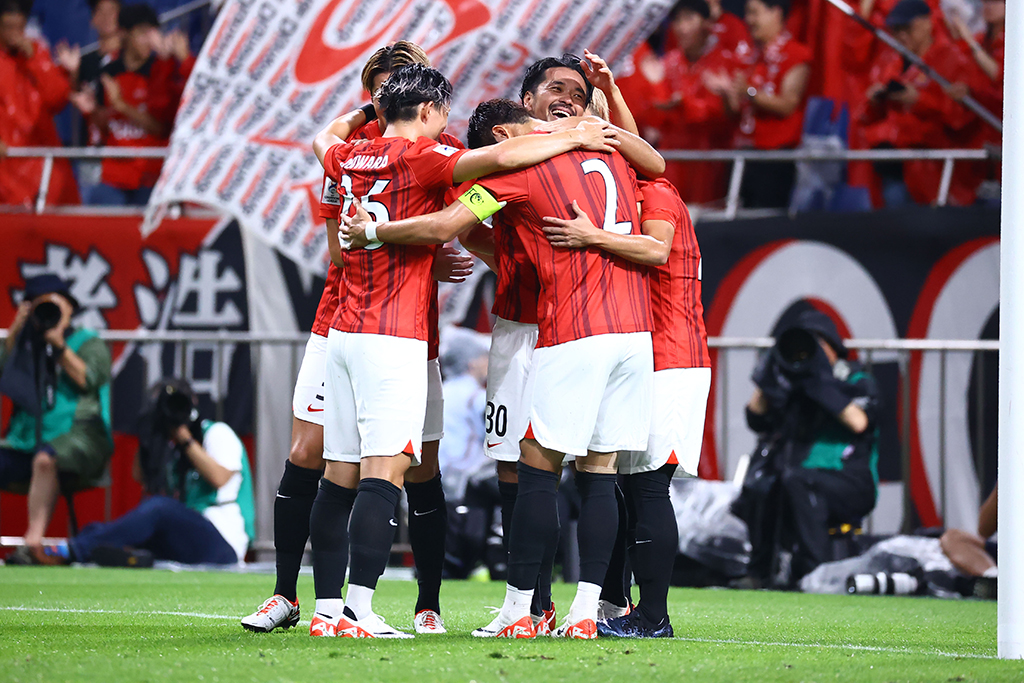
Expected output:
(88, 624)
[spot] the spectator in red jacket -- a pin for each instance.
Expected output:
(137, 103)
(32, 90)
(697, 117)
(904, 108)
(770, 98)
(987, 50)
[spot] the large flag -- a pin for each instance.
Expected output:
(274, 72)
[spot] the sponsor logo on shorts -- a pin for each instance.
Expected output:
(311, 409)
(493, 445)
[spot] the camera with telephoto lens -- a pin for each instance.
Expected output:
(46, 315)
(794, 351)
(172, 406)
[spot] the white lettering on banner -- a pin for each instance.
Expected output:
(272, 74)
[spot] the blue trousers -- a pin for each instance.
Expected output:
(165, 527)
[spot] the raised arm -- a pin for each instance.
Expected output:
(337, 131)
(634, 149)
(651, 248)
(600, 76)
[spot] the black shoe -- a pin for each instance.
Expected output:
(634, 626)
(115, 556)
(21, 556)
(986, 588)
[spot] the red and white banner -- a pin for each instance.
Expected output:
(274, 72)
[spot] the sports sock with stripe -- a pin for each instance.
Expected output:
(599, 518)
(292, 508)
(328, 532)
(428, 525)
(373, 526)
(534, 526)
(653, 553)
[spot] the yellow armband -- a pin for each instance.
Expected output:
(481, 202)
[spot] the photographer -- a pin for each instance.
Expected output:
(199, 503)
(58, 377)
(815, 464)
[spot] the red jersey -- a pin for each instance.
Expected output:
(155, 89)
(583, 292)
(388, 287)
(517, 289)
(732, 35)
(679, 337)
(766, 130)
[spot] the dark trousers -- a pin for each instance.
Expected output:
(796, 513)
(165, 527)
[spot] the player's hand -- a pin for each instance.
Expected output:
(571, 233)
(69, 57)
(598, 72)
(177, 45)
(907, 97)
(20, 318)
(84, 101)
(352, 229)
(597, 136)
(113, 91)
(452, 265)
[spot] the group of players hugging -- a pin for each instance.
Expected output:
(598, 352)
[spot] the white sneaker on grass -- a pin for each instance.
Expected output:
(371, 626)
(429, 621)
(276, 612)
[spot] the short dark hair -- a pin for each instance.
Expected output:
(781, 4)
(537, 72)
(93, 4)
(22, 7)
(701, 7)
(410, 86)
(489, 114)
(138, 14)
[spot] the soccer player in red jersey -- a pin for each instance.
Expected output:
(682, 380)
(592, 366)
(305, 464)
(375, 387)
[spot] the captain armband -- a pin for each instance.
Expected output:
(481, 202)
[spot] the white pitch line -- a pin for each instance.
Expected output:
(710, 641)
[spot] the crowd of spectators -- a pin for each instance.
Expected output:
(713, 77)
(126, 92)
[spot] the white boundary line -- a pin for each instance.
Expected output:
(710, 641)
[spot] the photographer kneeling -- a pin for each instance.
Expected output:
(58, 377)
(816, 461)
(199, 503)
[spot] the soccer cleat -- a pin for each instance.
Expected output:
(428, 621)
(500, 628)
(322, 625)
(633, 626)
(609, 610)
(276, 612)
(581, 630)
(368, 627)
(545, 624)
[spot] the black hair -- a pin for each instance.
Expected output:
(536, 73)
(699, 6)
(781, 4)
(489, 114)
(138, 14)
(410, 86)
(93, 4)
(22, 7)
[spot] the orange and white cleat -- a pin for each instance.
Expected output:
(323, 626)
(545, 624)
(501, 628)
(371, 626)
(581, 630)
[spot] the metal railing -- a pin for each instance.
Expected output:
(739, 159)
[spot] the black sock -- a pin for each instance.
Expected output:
(542, 594)
(508, 491)
(599, 519)
(616, 582)
(372, 527)
(328, 533)
(292, 507)
(534, 526)
(653, 553)
(428, 524)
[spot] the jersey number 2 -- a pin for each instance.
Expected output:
(611, 196)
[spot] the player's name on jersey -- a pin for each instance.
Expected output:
(365, 162)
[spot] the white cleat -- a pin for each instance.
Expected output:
(607, 610)
(368, 627)
(275, 612)
(502, 628)
(429, 621)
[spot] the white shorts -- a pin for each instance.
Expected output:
(375, 396)
(308, 396)
(508, 388)
(677, 423)
(593, 394)
(433, 421)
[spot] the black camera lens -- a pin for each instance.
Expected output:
(794, 349)
(175, 407)
(46, 315)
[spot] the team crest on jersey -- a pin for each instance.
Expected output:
(446, 150)
(330, 193)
